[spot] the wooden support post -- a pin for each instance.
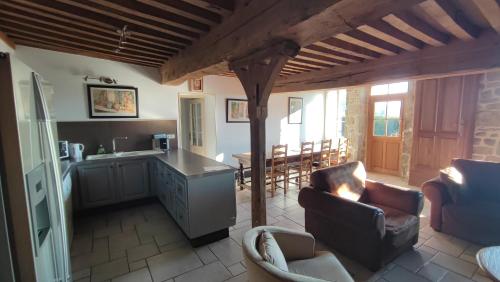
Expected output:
(257, 73)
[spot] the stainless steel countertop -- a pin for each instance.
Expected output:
(184, 162)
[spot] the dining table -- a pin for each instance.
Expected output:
(293, 156)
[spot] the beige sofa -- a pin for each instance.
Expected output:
(304, 264)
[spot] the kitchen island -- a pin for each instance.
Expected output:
(197, 192)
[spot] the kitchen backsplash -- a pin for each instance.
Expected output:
(93, 133)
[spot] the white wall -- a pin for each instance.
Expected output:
(235, 137)
(66, 72)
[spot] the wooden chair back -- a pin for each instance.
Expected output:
(341, 153)
(326, 150)
(306, 156)
(279, 161)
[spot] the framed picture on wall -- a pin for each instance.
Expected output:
(196, 85)
(237, 111)
(106, 101)
(295, 110)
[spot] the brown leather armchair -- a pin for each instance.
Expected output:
(367, 221)
(465, 201)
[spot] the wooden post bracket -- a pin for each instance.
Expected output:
(257, 73)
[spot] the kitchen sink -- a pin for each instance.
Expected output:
(123, 155)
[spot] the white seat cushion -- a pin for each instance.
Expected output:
(323, 266)
(271, 252)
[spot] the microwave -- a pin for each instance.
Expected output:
(63, 149)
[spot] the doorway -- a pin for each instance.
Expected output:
(385, 126)
(197, 123)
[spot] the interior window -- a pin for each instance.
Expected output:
(335, 111)
(387, 118)
(389, 89)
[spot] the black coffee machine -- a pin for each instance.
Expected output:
(161, 142)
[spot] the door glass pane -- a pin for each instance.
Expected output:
(393, 127)
(379, 110)
(379, 90)
(393, 109)
(379, 127)
(398, 87)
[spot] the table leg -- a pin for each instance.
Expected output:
(242, 177)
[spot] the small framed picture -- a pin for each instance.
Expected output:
(237, 111)
(196, 84)
(295, 110)
(107, 101)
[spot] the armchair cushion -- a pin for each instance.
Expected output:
(271, 252)
(400, 227)
(324, 265)
(456, 186)
(345, 181)
(404, 200)
(481, 177)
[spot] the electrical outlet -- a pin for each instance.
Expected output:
(170, 136)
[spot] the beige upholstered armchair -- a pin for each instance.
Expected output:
(303, 263)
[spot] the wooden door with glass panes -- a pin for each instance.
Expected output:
(196, 130)
(385, 128)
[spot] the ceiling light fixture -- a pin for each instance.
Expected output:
(124, 34)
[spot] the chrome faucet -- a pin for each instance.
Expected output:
(114, 142)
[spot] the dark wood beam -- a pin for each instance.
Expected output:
(347, 48)
(490, 9)
(387, 32)
(319, 58)
(222, 7)
(5, 38)
(103, 21)
(261, 22)
(139, 10)
(322, 51)
(62, 19)
(450, 18)
(131, 21)
(186, 10)
(369, 42)
(77, 51)
(458, 57)
(408, 23)
(309, 64)
(257, 73)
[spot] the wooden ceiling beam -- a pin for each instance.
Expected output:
(387, 32)
(450, 18)
(5, 38)
(314, 64)
(369, 42)
(82, 52)
(299, 67)
(137, 9)
(78, 35)
(490, 9)
(104, 22)
(33, 20)
(74, 44)
(303, 22)
(417, 28)
(321, 51)
(458, 57)
(187, 10)
(221, 7)
(132, 22)
(60, 18)
(348, 48)
(320, 59)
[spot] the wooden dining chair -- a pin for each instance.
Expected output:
(302, 171)
(324, 154)
(341, 154)
(279, 168)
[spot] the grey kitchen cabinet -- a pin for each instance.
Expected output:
(97, 184)
(133, 179)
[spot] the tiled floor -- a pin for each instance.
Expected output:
(144, 244)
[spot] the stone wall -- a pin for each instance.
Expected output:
(356, 121)
(486, 144)
(408, 112)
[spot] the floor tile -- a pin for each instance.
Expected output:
(141, 275)
(240, 278)
(136, 265)
(413, 260)
(107, 231)
(123, 241)
(81, 244)
(214, 272)
(432, 271)
(455, 264)
(453, 248)
(170, 264)
(399, 274)
(205, 254)
(142, 252)
(227, 251)
(81, 274)
(236, 269)
(453, 277)
(109, 270)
